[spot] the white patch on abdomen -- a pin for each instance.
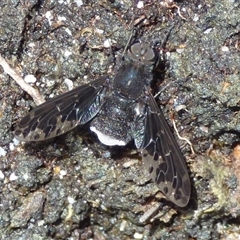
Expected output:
(107, 140)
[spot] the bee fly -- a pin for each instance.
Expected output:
(119, 109)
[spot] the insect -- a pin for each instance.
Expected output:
(119, 110)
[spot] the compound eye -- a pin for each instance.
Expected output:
(143, 53)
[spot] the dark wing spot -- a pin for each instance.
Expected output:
(34, 125)
(25, 120)
(48, 130)
(53, 121)
(174, 182)
(59, 131)
(18, 132)
(163, 167)
(151, 148)
(36, 136)
(177, 196)
(150, 169)
(25, 132)
(165, 190)
(156, 156)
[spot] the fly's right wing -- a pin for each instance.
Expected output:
(64, 112)
(163, 157)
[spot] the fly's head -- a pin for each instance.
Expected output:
(135, 72)
(143, 53)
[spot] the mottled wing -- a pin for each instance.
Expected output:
(64, 112)
(163, 158)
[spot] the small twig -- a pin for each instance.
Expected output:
(163, 89)
(178, 9)
(150, 212)
(34, 93)
(182, 138)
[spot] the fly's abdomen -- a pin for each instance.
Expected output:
(112, 125)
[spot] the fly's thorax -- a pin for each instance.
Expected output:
(131, 80)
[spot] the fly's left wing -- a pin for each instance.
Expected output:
(64, 112)
(163, 157)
